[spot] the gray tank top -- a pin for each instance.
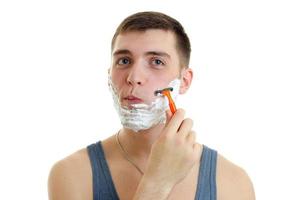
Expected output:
(104, 189)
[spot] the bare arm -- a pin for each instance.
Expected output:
(233, 182)
(71, 178)
(60, 183)
(245, 189)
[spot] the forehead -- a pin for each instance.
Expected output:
(145, 41)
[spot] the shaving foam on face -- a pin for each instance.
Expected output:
(143, 116)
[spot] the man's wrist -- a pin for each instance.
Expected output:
(151, 188)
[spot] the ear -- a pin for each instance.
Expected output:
(186, 80)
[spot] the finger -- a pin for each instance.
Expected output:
(175, 121)
(168, 116)
(191, 137)
(185, 127)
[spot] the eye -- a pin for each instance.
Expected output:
(123, 61)
(157, 62)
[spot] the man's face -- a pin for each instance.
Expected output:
(143, 62)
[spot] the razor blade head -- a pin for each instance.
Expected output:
(160, 92)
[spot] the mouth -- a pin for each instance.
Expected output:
(133, 99)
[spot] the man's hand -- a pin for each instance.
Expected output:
(175, 152)
(171, 158)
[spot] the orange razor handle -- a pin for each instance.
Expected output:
(171, 102)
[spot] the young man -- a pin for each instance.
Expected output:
(155, 155)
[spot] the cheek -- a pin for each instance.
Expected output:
(162, 80)
(117, 79)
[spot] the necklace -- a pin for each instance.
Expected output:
(125, 154)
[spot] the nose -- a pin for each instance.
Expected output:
(136, 76)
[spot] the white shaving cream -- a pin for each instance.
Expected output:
(143, 116)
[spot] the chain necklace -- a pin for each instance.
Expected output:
(125, 154)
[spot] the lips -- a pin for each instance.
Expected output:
(133, 99)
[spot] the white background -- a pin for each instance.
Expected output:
(244, 99)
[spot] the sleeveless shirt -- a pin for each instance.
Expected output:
(104, 189)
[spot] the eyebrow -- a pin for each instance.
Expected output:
(121, 51)
(156, 53)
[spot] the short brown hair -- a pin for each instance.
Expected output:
(143, 21)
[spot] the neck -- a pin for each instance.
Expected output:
(138, 145)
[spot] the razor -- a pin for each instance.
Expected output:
(166, 92)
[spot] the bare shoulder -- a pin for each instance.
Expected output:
(71, 177)
(233, 182)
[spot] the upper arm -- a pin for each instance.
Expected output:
(233, 182)
(70, 179)
(244, 186)
(60, 182)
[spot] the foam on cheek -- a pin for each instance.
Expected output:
(144, 116)
(175, 84)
